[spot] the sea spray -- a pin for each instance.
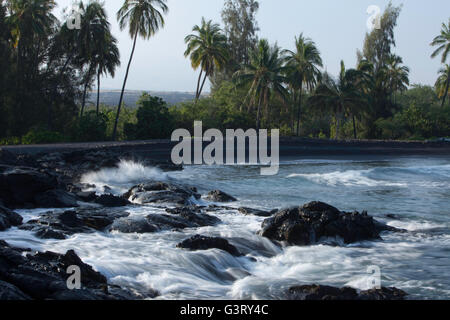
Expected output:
(125, 175)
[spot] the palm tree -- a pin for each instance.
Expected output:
(208, 50)
(31, 21)
(265, 76)
(365, 83)
(443, 43)
(93, 37)
(108, 59)
(442, 82)
(302, 70)
(397, 75)
(339, 95)
(142, 18)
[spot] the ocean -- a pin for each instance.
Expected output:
(411, 193)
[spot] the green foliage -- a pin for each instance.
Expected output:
(207, 48)
(10, 141)
(239, 18)
(153, 120)
(46, 70)
(416, 123)
(40, 136)
(91, 127)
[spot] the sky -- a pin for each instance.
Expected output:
(337, 27)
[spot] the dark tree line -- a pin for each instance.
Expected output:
(48, 67)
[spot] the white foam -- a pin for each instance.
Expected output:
(346, 178)
(127, 174)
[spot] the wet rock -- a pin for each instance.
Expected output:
(256, 212)
(48, 233)
(111, 201)
(383, 294)
(79, 187)
(56, 199)
(87, 196)
(8, 218)
(216, 208)
(308, 224)
(195, 215)
(9, 292)
(90, 276)
(10, 159)
(7, 158)
(183, 210)
(220, 196)
(181, 219)
(133, 225)
(19, 186)
(319, 292)
(43, 276)
(53, 225)
(199, 242)
(160, 192)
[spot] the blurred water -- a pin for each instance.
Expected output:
(416, 190)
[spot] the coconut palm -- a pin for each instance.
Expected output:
(29, 19)
(340, 96)
(144, 19)
(207, 49)
(107, 60)
(265, 76)
(397, 74)
(442, 41)
(442, 82)
(302, 70)
(31, 22)
(92, 37)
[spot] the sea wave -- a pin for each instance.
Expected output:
(347, 178)
(126, 174)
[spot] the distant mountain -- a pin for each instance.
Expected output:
(111, 97)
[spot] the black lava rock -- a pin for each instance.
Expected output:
(199, 242)
(319, 292)
(220, 196)
(111, 201)
(8, 218)
(308, 224)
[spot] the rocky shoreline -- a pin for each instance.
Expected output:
(53, 181)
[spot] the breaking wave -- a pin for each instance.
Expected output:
(125, 175)
(347, 178)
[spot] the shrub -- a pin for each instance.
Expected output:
(153, 120)
(91, 127)
(9, 141)
(39, 136)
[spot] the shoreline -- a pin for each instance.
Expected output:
(289, 148)
(46, 181)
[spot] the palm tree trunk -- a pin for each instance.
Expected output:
(338, 124)
(201, 88)
(446, 90)
(123, 87)
(83, 102)
(299, 109)
(354, 128)
(98, 93)
(198, 85)
(266, 107)
(258, 115)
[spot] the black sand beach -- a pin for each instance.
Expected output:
(289, 148)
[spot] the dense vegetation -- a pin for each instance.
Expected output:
(47, 67)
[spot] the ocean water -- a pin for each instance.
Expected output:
(415, 190)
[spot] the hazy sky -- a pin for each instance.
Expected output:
(337, 27)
